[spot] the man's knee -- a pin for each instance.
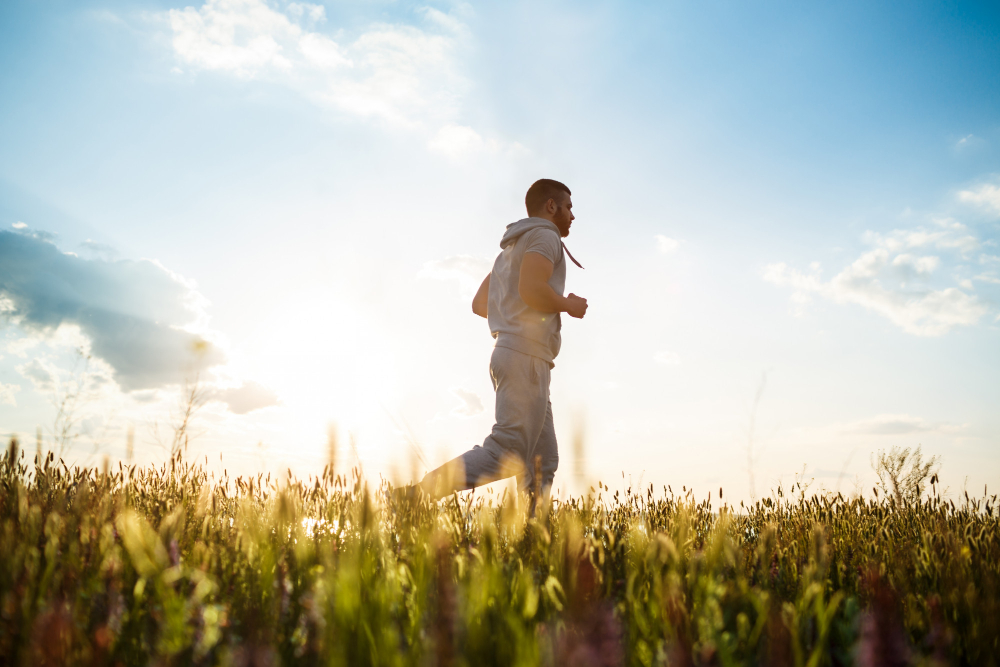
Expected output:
(489, 462)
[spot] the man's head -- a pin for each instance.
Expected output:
(551, 200)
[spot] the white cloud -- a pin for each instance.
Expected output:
(322, 52)
(145, 396)
(20, 346)
(469, 271)
(911, 264)
(457, 141)
(667, 358)
(241, 36)
(969, 142)
(137, 316)
(471, 405)
(63, 364)
(246, 398)
(947, 234)
(986, 196)
(7, 392)
(41, 373)
(19, 225)
(314, 13)
(402, 74)
(893, 283)
(901, 424)
(665, 244)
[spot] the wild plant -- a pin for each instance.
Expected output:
(172, 565)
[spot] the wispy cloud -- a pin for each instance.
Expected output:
(892, 279)
(471, 405)
(457, 141)
(469, 271)
(246, 398)
(19, 346)
(902, 424)
(946, 234)
(404, 74)
(7, 392)
(665, 244)
(969, 142)
(41, 374)
(985, 196)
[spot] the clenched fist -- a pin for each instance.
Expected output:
(576, 306)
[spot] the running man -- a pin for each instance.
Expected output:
(522, 299)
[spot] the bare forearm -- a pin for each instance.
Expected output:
(542, 298)
(533, 286)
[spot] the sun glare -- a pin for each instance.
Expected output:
(327, 362)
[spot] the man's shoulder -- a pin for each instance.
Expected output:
(545, 242)
(541, 236)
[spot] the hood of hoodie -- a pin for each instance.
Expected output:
(516, 229)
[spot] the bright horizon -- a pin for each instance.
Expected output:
(789, 218)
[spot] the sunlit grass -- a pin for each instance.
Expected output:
(165, 566)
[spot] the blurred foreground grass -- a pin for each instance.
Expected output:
(170, 566)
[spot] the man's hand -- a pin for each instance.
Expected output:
(576, 306)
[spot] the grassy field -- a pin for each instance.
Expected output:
(170, 566)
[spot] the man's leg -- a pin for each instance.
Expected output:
(522, 387)
(545, 453)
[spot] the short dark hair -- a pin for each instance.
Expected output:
(541, 191)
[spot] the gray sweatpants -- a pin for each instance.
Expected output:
(523, 431)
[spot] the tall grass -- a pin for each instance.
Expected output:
(169, 566)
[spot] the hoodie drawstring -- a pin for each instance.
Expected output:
(571, 255)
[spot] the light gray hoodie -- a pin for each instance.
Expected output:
(513, 323)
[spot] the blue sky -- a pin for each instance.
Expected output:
(294, 201)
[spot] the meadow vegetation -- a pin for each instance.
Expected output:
(173, 566)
